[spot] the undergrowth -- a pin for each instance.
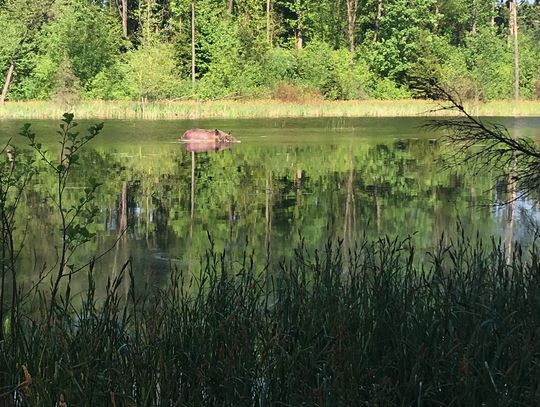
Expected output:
(369, 327)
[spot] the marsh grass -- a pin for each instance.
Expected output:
(373, 326)
(255, 109)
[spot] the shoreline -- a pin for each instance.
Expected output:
(258, 109)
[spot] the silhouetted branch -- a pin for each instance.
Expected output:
(489, 146)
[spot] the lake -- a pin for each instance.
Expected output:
(289, 181)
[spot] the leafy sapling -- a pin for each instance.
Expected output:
(77, 218)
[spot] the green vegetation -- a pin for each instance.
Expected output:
(327, 328)
(358, 321)
(258, 109)
(288, 50)
(268, 190)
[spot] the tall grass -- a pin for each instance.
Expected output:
(254, 109)
(374, 326)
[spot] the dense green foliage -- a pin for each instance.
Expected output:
(287, 49)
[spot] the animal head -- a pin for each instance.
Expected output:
(222, 137)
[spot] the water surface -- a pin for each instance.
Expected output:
(288, 180)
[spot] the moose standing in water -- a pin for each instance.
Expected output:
(199, 140)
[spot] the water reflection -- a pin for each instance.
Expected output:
(160, 200)
(206, 147)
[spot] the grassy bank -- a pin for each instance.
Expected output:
(371, 328)
(254, 109)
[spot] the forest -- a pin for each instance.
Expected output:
(144, 50)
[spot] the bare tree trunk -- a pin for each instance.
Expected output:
(511, 215)
(268, 216)
(349, 223)
(378, 20)
(230, 7)
(474, 17)
(122, 227)
(352, 7)
(125, 18)
(193, 42)
(268, 22)
(514, 34)
(378, 209)
(299, 30)
(192, 211)
(7, 82)
(493, 8)
(299, 38)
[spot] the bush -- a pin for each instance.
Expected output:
(150, 71)
(288, 92)
(279, 65)
(490, 62)
(385, 88)
(109, 84)
(67, 85)
(529, 66)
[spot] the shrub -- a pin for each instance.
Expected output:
(490, 62)
(288, 92)
(109, 84)
(150, 71)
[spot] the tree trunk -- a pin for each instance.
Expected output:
(299, 30)
(514, 34)
(299, 39)
(9, 76)
(352, 6)
(268, 216)
(122, 227)
(193, 41)
(378, 21)
(125, 18)
(230, 7)
(268, 22)
(349, 223)
(474, 17)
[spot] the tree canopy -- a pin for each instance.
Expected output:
(335, 49)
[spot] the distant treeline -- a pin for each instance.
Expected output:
(291, 50)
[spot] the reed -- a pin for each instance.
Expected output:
(377, 325)
(254, 109)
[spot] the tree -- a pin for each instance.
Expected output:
(352, 10)
(22, 20)
(123, 9)
(514, 159)
(193, 41)
(514, 34)
(401, 27)
(150, 71)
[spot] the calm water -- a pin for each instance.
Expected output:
(316, 179)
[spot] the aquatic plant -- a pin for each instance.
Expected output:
(373, 325)
(233, 109)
